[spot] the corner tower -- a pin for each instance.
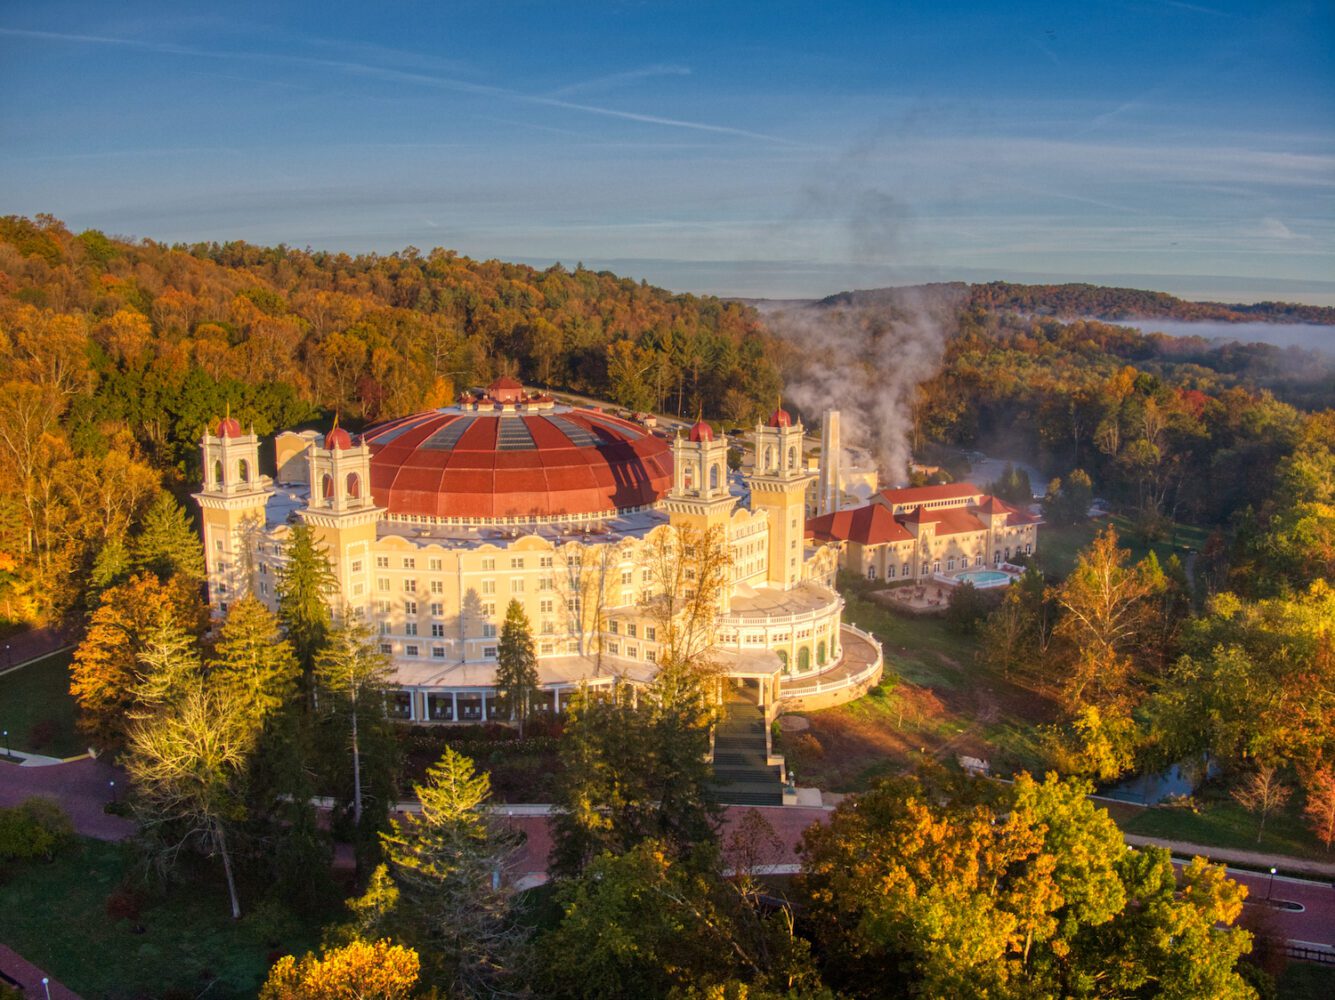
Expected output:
(699, 497)
(779, 487)
(232, 505)
(340, 510)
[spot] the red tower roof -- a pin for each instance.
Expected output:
(337, 439)
(780, 418)
(489, 464)
(701, 431)
(229, 427)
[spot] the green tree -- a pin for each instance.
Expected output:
(1068, 500)
(635, 767)
(168, 544)
(516, 666)
(354, 674)
(966, 608)
(253, 661)
(304, 587)
(449, 864)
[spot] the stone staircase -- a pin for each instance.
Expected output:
(743, 774)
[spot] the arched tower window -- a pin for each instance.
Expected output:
(688, 476)
(354, 486)
(769, 458)
(243, 471)
(792, 458)
(713, 477)
(327, 487)
(218, 473)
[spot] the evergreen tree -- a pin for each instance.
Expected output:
(168, 544)
(169, 665)
(254, 661)
(634, 767)
(355, 675)
(304, 585)
(447, 863)
(516, 666)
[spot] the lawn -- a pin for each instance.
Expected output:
(37, 709)
(1059, 546)
(1223, 823)
(1305, 981)
(188, 946)
(934, 702)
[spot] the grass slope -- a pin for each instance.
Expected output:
(55, 915)
(37, 697)
(935, 701)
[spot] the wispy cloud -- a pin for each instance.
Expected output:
(612, 81)
(398, 76)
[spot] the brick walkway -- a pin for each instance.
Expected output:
(15, 968)
(31, 645)
(81, 788)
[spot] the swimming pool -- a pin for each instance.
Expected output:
(984, 578)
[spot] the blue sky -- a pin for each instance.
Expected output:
(762, 149)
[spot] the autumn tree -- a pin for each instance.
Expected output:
(107, 672)
(688, 569)
(1103, 612)
(516, 666)
(1262, 791)
(360, 970)
(1319, 809)
(353, 676)
(944, 890)
(187, 763)
(449, 866)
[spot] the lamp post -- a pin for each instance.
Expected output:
(1270, 887)
(46, 987)
(112, 783)
(8, 752)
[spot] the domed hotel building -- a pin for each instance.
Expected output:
(434, 522)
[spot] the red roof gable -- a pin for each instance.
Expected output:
(869, 525)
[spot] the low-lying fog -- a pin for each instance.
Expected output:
(1308, 335)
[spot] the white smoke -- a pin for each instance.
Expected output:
(865, 359)
(866, 354)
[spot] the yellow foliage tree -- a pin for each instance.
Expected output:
(358, 971)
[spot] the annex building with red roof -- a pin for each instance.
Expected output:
(923, 532)
(435, 521)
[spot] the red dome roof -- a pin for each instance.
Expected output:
(229, 427)
(452, 463)
(702, 432)
(337, 438)
(780, 418)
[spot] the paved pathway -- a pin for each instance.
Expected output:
(34, 644)
(16, 970)
(82, 787)
(1250, 859)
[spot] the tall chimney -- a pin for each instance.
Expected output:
(827, 500)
